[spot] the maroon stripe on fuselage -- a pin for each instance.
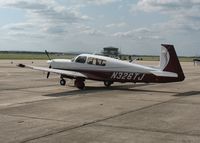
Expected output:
(118, 76)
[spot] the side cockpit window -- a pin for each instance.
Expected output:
(81, 59)
(90, 61)
(96, 61)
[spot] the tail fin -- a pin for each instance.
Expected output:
(169, 61)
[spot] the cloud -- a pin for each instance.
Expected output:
(52, 18)
(82, 29)
(18, 26)
(25, 35)
(43, 16)
(99, 2)
(93, 32)
(133, 33)
(26, 5)
(138, 34)
(165, 6)
(184, 14)
(48, 10)
(116, 25)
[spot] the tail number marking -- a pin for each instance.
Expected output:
(127, 76)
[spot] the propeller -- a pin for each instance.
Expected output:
(50, 63)
(47, 54)
(48, 72)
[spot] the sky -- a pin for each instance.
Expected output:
(134, 26)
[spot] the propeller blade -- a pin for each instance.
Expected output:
(47, 54)
(48, 72)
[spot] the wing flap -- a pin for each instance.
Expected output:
(164, 73)
(64, 72)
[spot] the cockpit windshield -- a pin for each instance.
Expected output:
(81, 59)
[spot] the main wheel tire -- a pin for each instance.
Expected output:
(62, 82)
(108, 83)
(79, 84)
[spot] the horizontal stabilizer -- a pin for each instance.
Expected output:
(164, 73)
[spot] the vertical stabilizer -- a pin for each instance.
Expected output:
(169, 61)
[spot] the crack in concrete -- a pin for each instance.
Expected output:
(149, 130)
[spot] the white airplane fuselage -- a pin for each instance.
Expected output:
(114, 69)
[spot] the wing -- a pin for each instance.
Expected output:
(63, 72)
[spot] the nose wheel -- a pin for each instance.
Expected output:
(62, 82)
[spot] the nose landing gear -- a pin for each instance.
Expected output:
(62, 82)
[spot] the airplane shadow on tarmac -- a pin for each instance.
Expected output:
(129, 87)
(188, 93)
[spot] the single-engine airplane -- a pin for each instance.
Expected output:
(110, 70)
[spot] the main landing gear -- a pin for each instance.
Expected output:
(108, 83)
(79, 83)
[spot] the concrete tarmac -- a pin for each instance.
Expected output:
(34, 109)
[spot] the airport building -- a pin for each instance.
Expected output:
(114, 52)
(111, 52)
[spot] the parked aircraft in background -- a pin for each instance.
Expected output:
(196, 61)
(110, 70)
